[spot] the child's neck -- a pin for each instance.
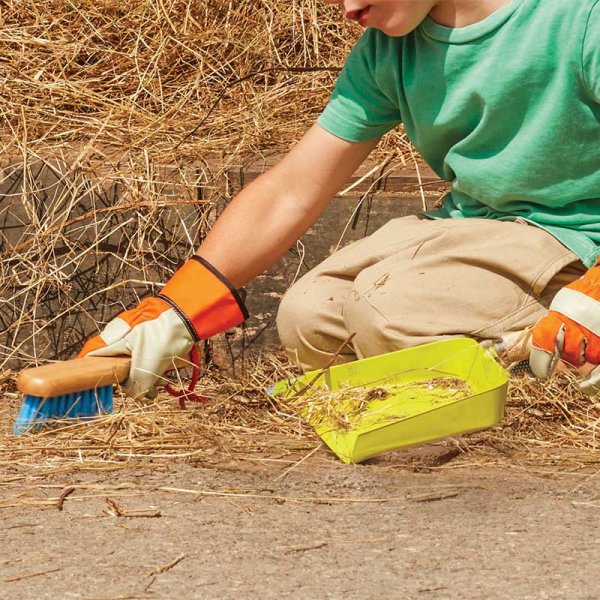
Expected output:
(461, 13)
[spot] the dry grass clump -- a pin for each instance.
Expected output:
(242, 422)
(125, 128)
(545, 417)
(239, 421)
(554, 413)
(339, 409)
(175, 78)
(346, 408)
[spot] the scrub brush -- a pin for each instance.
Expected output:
(73, 389)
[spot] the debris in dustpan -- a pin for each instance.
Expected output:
(404, 398)
(347, 407)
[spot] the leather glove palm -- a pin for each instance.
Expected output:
(195, 304)
(571, 331)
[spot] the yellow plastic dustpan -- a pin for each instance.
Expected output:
(418, 408)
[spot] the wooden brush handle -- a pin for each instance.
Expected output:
(72, 376)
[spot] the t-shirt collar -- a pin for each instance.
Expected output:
(462, 35)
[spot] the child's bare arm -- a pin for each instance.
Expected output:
(270, 214)
(257, 227)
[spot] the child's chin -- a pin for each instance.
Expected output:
(396, 31)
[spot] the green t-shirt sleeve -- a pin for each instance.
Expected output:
(591, 52)
(359, 108)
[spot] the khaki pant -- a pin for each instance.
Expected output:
(417, 280)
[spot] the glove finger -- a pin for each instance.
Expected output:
(92, 345)
(547, 343)
(573, 350)
(140, 385)
(545, 332)
(143, 374)
(151, 358)
(592, 348)
(143, 379)
(542, 363)
(110, 342)
(591, 384)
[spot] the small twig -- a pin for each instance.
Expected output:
(586, 504)
(61, 499)
(157, 570)
(434, 496)
(293, 466)
(149, 514)
(115, 428)
(166, 567)
(30, 575)
(299, 499)
(151, 580)
(20, 526)
(345, 343)
(116, 510)
(305, 547)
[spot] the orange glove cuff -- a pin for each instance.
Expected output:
(205, 300)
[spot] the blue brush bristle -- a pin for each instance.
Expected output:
(37, 411)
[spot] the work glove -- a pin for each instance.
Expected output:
(195, 304)
(571, 331)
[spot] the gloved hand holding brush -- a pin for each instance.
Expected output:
(571, 331)
(195, 304)
(198, 302)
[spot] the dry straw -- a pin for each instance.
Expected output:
(124, 126)
(346, 408)
(544, 422)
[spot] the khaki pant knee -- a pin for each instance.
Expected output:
(310, 324)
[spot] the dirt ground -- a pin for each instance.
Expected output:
(412, 524)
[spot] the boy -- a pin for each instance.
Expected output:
(502, 98)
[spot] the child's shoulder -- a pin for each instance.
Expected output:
(564, 22)
(568, 9)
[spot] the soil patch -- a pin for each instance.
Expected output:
(399, 527)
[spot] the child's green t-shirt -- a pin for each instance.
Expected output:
(507, 109)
